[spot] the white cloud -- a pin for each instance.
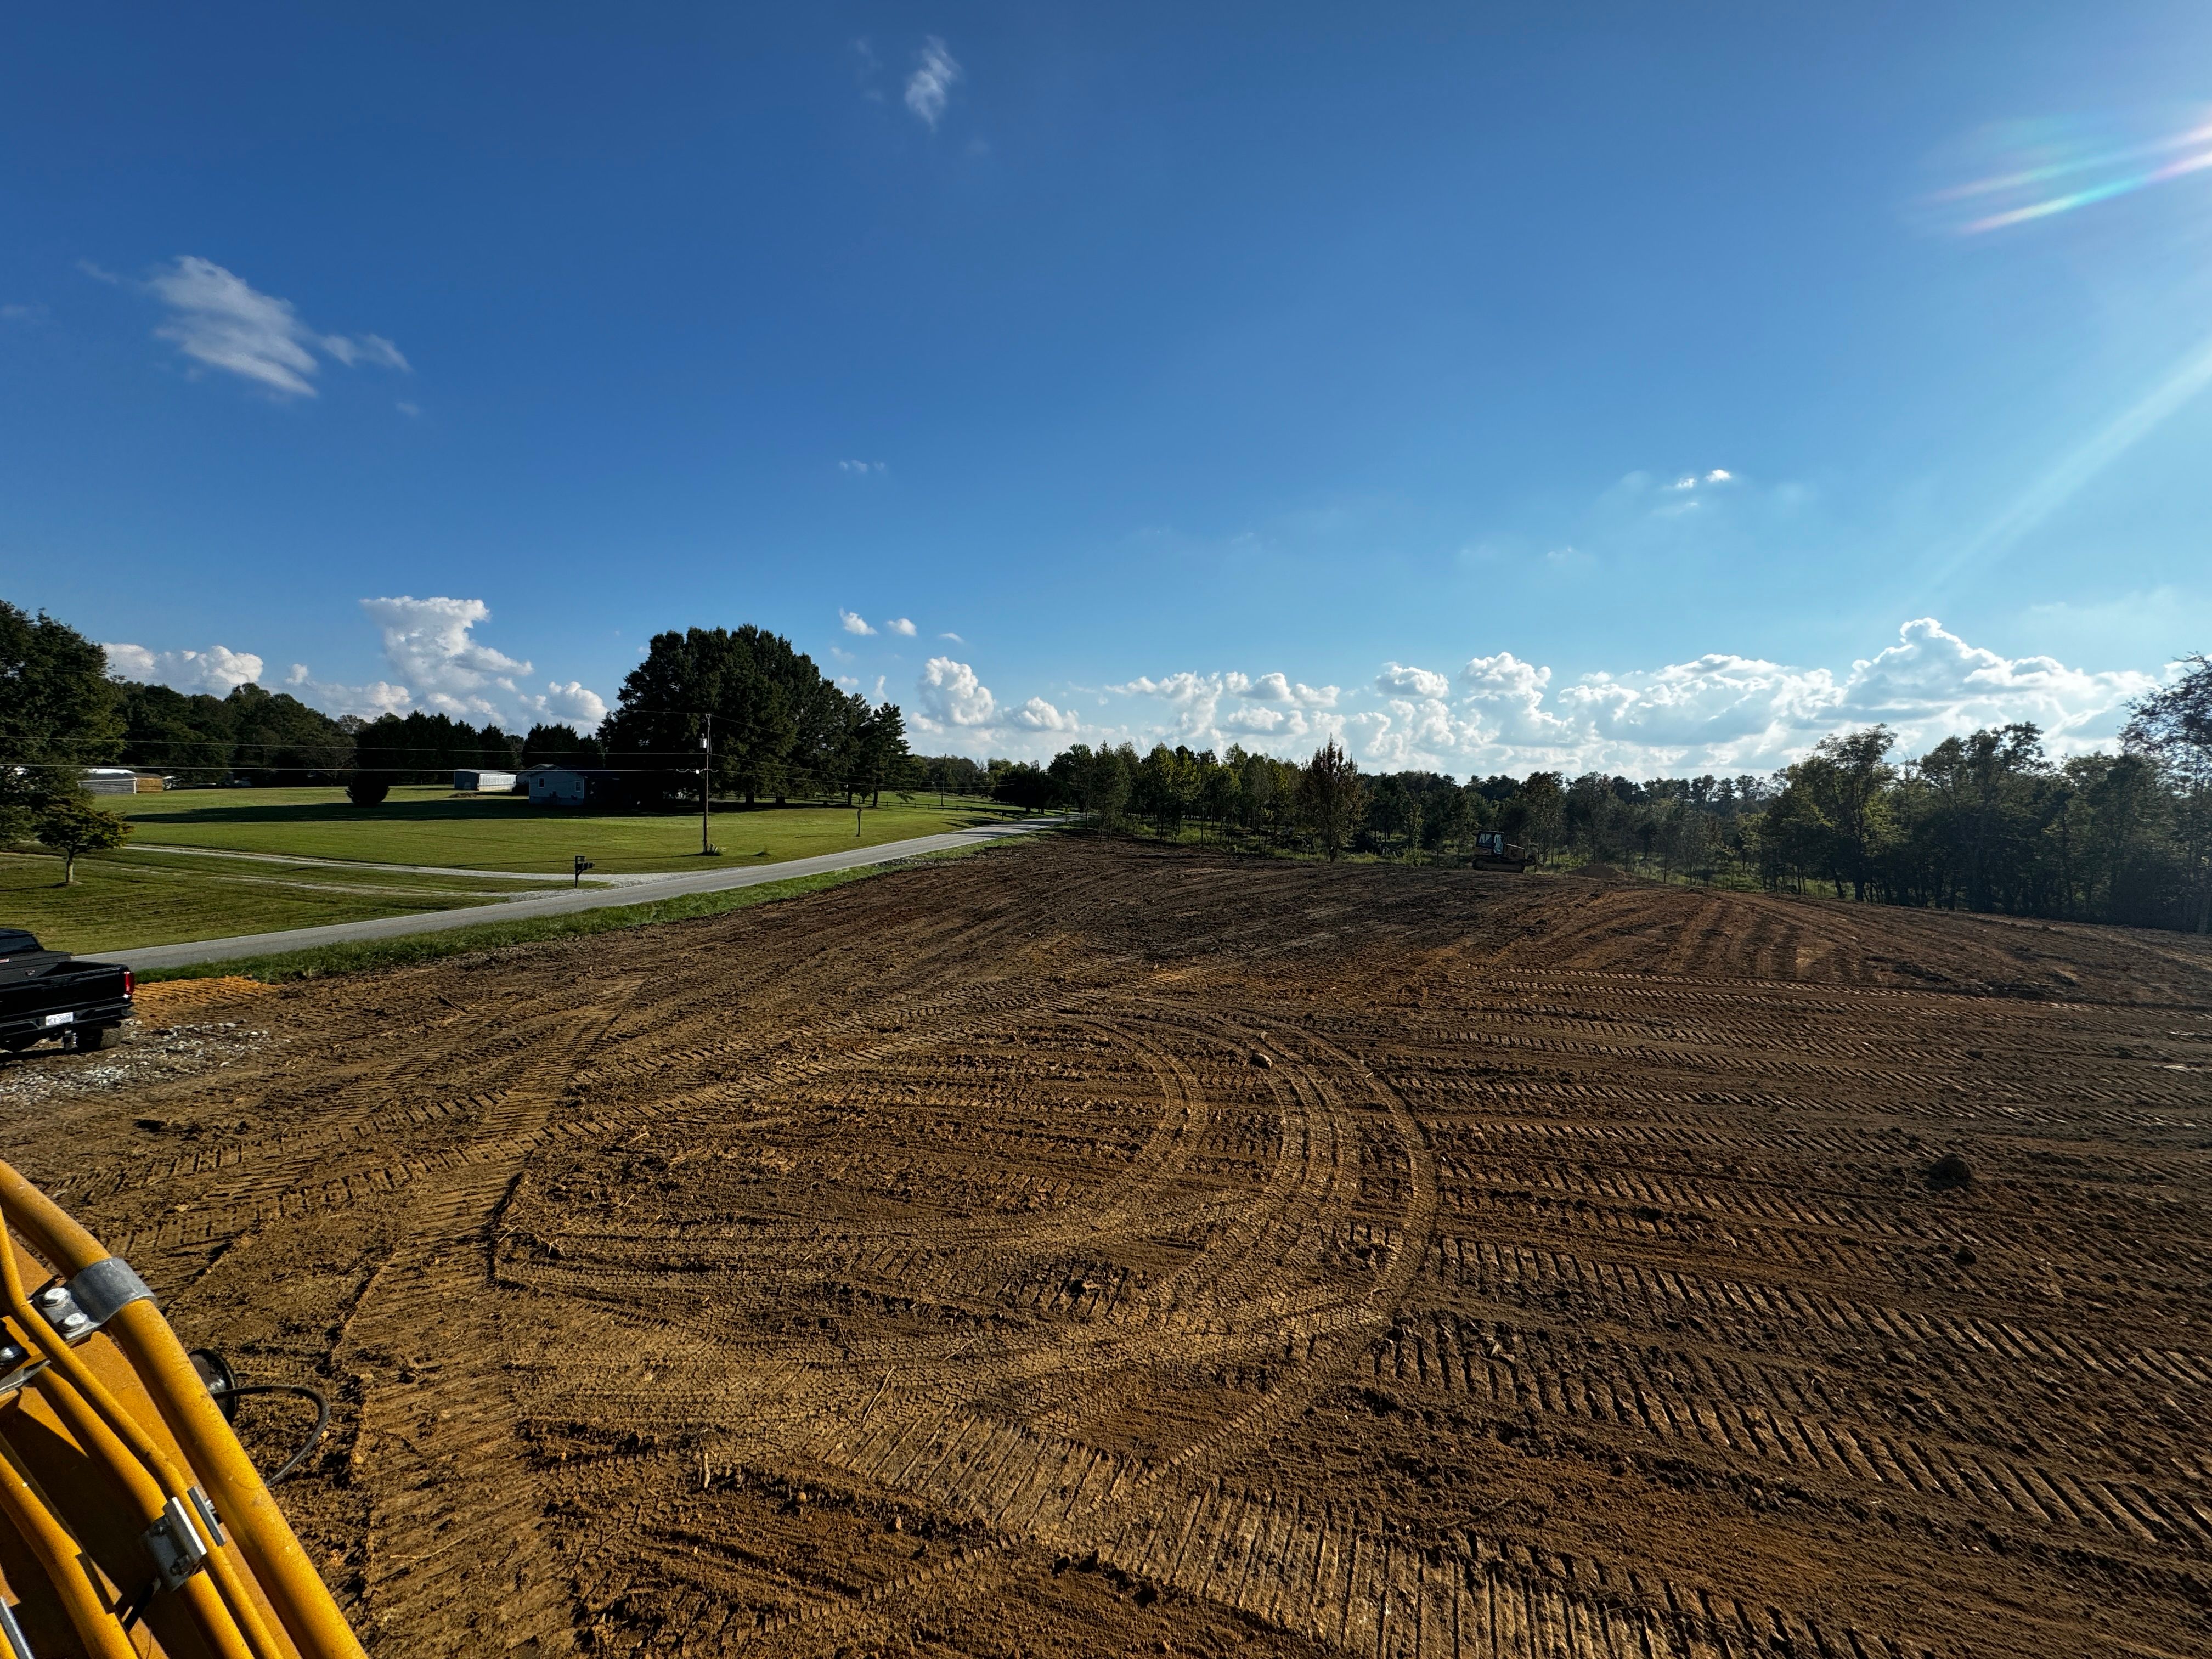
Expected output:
(411, 410)
(1719, 475)
(1264, 706)
(570, 703)
(377, 698)
(931, 84)
(862, 468)
(955, 638)
(853, 622)
(220, 320)
(22, 314)
(950, 695)
(1725, 712)
(437, 665)
(218, 670)
(1401, 682)
(901, 625)
(430, 646)
(1038, 716)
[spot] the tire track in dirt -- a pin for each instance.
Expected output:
(932, 1266)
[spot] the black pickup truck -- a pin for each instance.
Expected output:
(52, 994)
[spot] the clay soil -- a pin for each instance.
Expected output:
(1081, 1248)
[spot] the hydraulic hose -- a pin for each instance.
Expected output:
(309, 1617)
(27, 1509)
(105, 1430)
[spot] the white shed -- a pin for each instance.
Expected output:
(110, 780)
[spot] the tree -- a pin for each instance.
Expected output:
(876, 752)
(368, 788)
(57, 710)
(1025, 785)
(1166, 786)
(1543, 813)
(1332, 796)
(72, 825)
(779, 725)
(1845, 784)
(2175, 725)
(557, 744)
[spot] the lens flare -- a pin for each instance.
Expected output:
(2040, 161)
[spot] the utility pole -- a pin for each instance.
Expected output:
(706, 783)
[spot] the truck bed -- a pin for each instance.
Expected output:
(52, 994)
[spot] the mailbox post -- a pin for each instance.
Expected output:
(582, 865)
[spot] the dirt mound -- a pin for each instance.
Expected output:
(1084, 1249)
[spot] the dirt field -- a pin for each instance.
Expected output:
(1078, 1250)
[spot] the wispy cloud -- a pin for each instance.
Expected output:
(854, 624)
(220, 320)
(862, 469)
(869, 65)
(20, 313)
(930, 87)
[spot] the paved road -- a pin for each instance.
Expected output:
(556, 904)
(542, 877)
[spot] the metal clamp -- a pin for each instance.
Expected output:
(107, 1287)
(89, 1300)
(179, 1541)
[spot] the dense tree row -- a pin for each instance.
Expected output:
(260, 736)
(1990, 823)
(1987, 822)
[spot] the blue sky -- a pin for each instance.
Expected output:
(1288, 371)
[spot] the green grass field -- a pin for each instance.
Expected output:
(504, 832)
(141, 898)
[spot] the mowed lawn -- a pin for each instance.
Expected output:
(434, 826)
(143, 898)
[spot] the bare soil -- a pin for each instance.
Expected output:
(1086, 1249)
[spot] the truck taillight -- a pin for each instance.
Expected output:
(127, 981)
